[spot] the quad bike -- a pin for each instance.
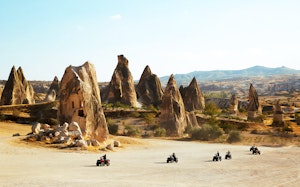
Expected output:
(255, 151)
(217, 158)
(252, 148)
(102, 162)
(172, 159)
(228, 156)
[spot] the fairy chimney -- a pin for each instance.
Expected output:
(121, 87)
(254, 108)
(278, 115)
(149, 88)
(172, 116)
(17, 89)
(233, 104)
(193, 97)
(52, 93)
(80, 102)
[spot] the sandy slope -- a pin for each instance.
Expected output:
(145, 165)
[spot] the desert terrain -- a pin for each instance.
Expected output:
(144, 164)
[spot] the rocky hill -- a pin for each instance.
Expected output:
(215, 75)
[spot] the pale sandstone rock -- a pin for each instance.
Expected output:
(117, 143)
(17, 89)
(36, 128)
(110, 147)
(80, 101)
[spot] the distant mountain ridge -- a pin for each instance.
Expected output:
(185, 79)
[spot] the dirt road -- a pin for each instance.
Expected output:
(145, 165)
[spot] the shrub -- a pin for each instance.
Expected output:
(113, 128)
(148, 117)
(234, 136)
(207, 132)
(227, 127)
(160, 132)
(131, 130)
(3, 117)
(211, 109)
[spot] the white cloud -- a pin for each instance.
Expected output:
(116, 17)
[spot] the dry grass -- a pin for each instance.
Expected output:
(9, 128)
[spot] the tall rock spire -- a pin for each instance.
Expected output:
(254, 108)
(17, 89)
(121, 87)
(172, 117)
(193, 97)
(149, 88)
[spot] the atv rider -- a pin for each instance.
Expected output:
(104, 157)
(174, 156)
(228, 152)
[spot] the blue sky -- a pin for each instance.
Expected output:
(46, 36)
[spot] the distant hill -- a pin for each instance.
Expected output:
(203, 76)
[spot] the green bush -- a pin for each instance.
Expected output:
(160, 132)
(227, 127)
(211, 109)
(149, 117)
(207, 132)
(234, 136)
(130, 130)
(113, 129)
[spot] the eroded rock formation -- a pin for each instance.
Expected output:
(193, 97)
(121, 87)
(278, 115)
(233, 104)
(53, 90)
(1, 90)
(80, 101)
(191, 120)
(17, 89)
(149, 89)
(172, 116)
(254, 108)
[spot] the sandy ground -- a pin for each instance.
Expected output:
(145, 165)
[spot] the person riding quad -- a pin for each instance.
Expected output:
(174, 156)
(104, 157)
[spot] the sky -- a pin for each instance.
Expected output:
(44, 37)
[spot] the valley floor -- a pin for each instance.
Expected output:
(145, 164)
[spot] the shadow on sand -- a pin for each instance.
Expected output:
(91, 166)
(160, 162)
